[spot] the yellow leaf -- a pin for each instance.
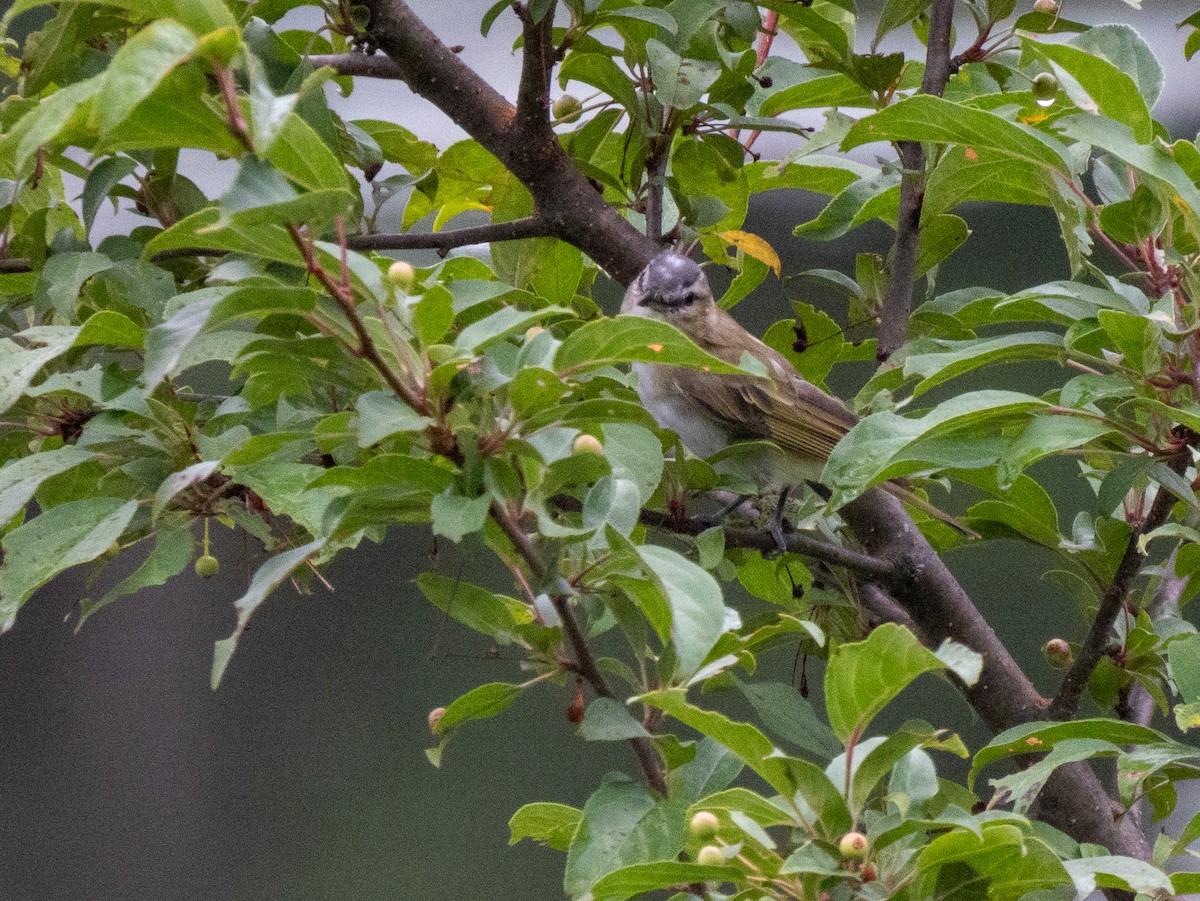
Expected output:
(755, 246)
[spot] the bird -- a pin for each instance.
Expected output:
(709, 410)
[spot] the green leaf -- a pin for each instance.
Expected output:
(928, 118)
(57, 539)
(269, 576)
(166, 344)
(885, 445)
(748, 802)
(679, 82)
(502, 323)
(481, 702)
(1128, 51)
(864, 676)
(811, 858)
(259, 195)
(180, 481)
(607, 719)
(632, 339)
(474, 607)
(20, 478)
(1040, 737)
(455, 516)
(137, 69)
(785, 712)
(105, 176)
(1109, 90)
(875, 759)
(896, 13)
(1021, 788)
(553, 825)
(1183, 654)
(944, 360)
(646, 877)
(698, 612)
(819, 89)
(622, 824)
(19, 365)
(602, 73)
(111, 328)
(301, 155)
(790, 776)
(1153, 159)
(173, 551)
(1115, 871)
(961, 176)
(201, 16)
(381, 414)
(62, 278)
(940, 236)
(1008, 862)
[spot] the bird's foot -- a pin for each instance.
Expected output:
(734, 503)
(778, 522)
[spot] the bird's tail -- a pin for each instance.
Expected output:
(906, 495)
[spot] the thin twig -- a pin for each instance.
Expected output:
(344, 298)
(1066, 702)
(442, 242)
(585, 661)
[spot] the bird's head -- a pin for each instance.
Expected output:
(672, 288)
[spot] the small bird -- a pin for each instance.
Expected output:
(711, 410)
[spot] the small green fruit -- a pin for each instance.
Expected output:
(207, 566)
(402, 275)
(710, 856)
(566, 108)
(435, 717)
(704, 825)
(588, 444)
(1044, 87)
(1058, 653)
(1046, 6)
(854, 845)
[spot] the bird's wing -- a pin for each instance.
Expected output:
(788, 410)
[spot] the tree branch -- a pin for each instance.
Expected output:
(897, 298)
(585, 661)
(1073, 799)
(1066, 702)
(442, 242)
(514, 230)
(562, 194)
(537, 61)
(344, 298)
(377, 66)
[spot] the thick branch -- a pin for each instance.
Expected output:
(897, 298)
(1111, 604)
(533, 93)
(561, 192)
(1074, 799)
(377, 66)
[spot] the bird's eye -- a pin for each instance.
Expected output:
(688, 299)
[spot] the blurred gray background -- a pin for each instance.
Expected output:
(122, 776)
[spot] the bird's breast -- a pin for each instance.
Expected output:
(672, 409)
